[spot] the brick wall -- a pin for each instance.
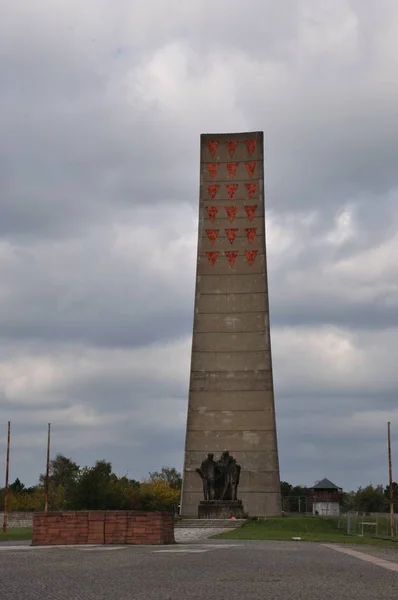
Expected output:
(102, 527)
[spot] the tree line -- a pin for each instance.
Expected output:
(71, 487)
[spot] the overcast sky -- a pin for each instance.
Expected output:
(102, 103)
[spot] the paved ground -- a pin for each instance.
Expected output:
(231, 570)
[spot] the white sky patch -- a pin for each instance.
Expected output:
(344, 229)
(329, 29)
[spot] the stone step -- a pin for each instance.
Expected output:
(219, 523)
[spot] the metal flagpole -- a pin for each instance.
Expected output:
(5, 513)
(47, 483)
(391, 494)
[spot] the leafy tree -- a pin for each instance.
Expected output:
(299, 490)
(349, 501)
(159, 495)
(63, 471)
(98, 488)
(91, 487)
(26, 501)
(17, 487)
(371, 499)
(62, 478)
(169, 475)
(285, 489)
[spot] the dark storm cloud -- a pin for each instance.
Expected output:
(101, 109)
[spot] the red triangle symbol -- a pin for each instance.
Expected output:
(212, 257)
(212, 211)
(231, 234)
(232, 146)
(212, 168)
(251, 189)
(251, 234)
(250, 210)
(231, 189)
(250, 146)
(231, 256)
(212, 146)
(213, 189)
(250, 256)
(232, 167)
(231, 212)
(212, 234)
(250, 167)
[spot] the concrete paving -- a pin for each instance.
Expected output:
(214, 569)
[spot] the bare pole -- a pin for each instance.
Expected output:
(391, 491)
(6, 487)
(47, 483)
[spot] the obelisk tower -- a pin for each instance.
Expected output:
(231, 397)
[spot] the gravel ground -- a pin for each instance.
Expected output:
(222, 569)
(194, 534)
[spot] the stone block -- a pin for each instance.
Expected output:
(226, 341)
(246, 303)
(240, 154)
(231, 323)
(248, 283)
(221, 265)
(240, 242)
(234, 441)
(228, 381)
(221, 510)
(231, 420)
(230, 401)
(210, 303)
(231, 361)
(258, 504)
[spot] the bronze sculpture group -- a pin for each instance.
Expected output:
(220, 478)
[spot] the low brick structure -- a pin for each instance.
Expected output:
(102, 527)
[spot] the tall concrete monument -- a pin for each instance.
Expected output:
(231, 397)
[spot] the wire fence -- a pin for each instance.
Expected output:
(308, 506)
(353, 523)
(299, 504)
(369, 524)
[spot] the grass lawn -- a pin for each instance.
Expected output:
(309, 529)
(16, 534)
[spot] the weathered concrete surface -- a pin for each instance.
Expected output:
(231, 399)
(205, 569)
(17, 520)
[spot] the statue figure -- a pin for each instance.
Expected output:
(220, 479)
(231, 473)
(207, 472)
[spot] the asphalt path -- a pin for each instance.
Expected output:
(215, 569)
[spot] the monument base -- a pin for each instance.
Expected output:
(217, 509)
